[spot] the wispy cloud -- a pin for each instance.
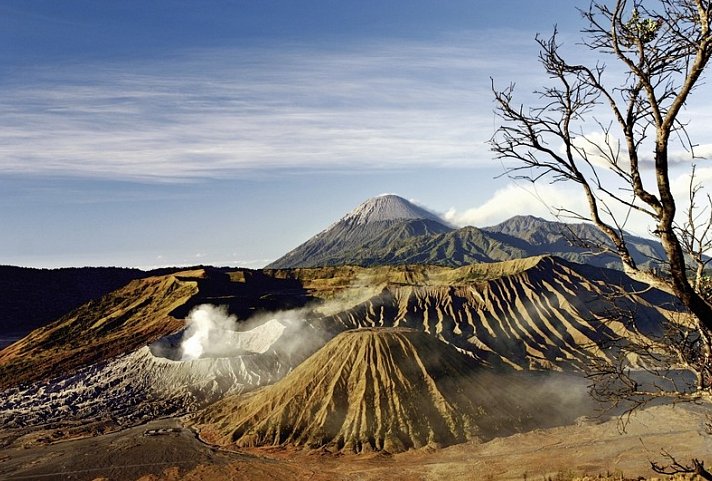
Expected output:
(540, 200)
(545, 200)
(213, 113)
(235, 112)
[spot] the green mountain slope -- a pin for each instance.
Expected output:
(389, 230)
(575, 242)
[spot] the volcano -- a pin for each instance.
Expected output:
(120, 361)
(375, 225)
(372, 389)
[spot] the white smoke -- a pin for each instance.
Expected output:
(212, 332)
(207, 325)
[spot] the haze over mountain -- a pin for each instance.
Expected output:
(389, 229)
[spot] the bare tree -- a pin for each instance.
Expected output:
(663, 51)
(660, 49)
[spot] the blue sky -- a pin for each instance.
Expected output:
(179, 132)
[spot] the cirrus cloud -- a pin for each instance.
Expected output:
(212, 113)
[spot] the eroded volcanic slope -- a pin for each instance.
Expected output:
(372, 389)
(538, 312)
(535, 312)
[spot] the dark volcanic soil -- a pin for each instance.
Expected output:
(128, 454)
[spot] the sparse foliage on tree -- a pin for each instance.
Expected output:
(607, 124)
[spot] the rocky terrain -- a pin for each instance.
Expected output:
(118, 323)
(138, 314)
(533, 312)
(144, 384)
(285, 370)
(127, 358)
(591, 449)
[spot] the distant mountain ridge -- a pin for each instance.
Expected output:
(538, 236)
(390, 230)
(33, 297)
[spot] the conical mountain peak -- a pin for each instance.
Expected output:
(388, 207)
(370, 390)
(375, 227)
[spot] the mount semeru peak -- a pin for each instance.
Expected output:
(388, 207)
(376, 225)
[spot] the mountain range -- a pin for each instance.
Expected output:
(390, 230)
(384, 230)
(118, 361)
(390, 331)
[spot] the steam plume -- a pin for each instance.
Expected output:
(207, 325)
(212, 332)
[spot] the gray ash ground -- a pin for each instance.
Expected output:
(127, 454)
(135, 388)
